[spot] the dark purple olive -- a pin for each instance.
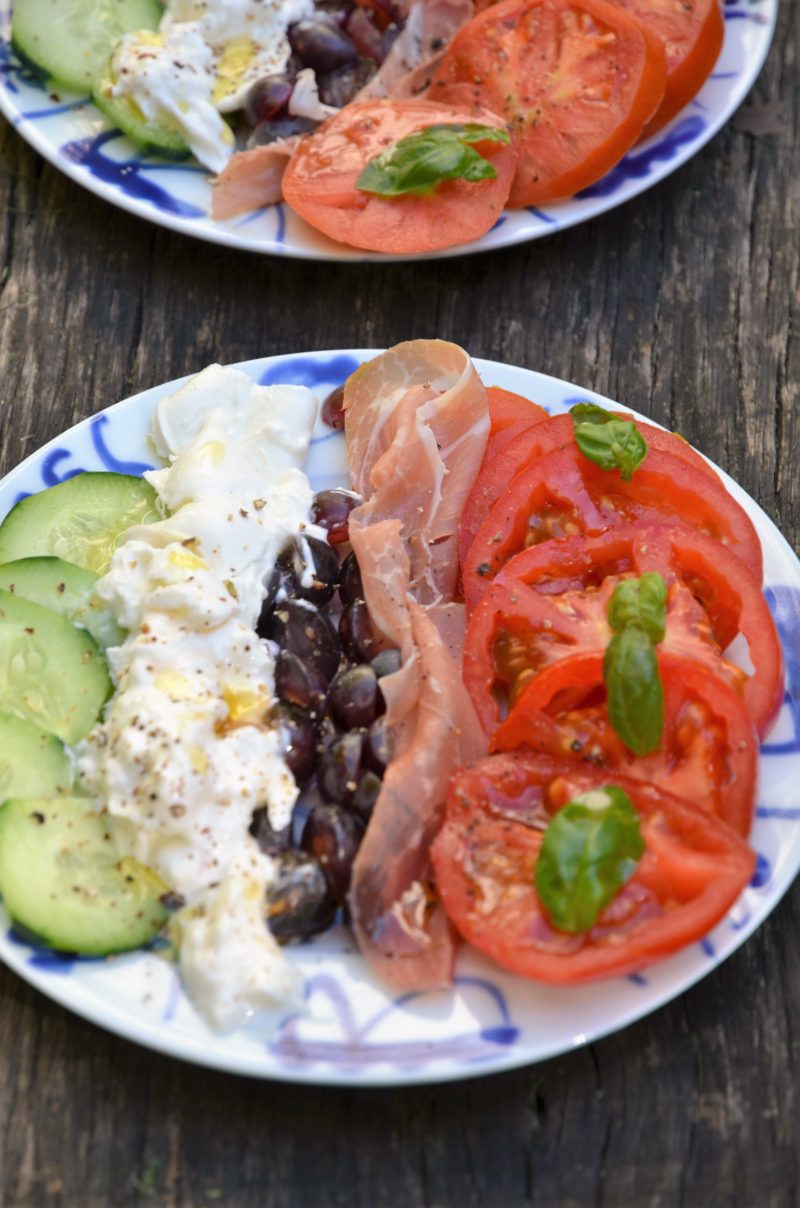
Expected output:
(321, 44)
(386, 662)
(365, 34)
(267, 97)
(332, 413)
(355, 632)
(269, 840)
(332, 510)
(339, 767)
(350, 585)
(332, 836)
(298, 682)
(340, 86)
(278, 580)
(280, 127)
(300, 627)
(365, 796)
(314, 569)
(378, 747)
(298, 741)
(354, 698)
(299, 902)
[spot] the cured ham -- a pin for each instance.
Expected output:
(416, 423)
(408, 68)
(252, 179)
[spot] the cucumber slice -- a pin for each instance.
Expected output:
(51, 673)
(81, 520)
(63, 588)
(152, 138)
(32, 763)
(63, 880)
(72, 40)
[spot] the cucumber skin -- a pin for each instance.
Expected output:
(84, 673)
(153, 140)
(63, 881)
(31, 17)
(32, 762)
(65, 589)
(34, 525)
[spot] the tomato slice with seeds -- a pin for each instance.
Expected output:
(503, 461)
(693, 869)
(692, 32)
(576, 81)
(709, 748)
(563, 494)
(320, 180)
(551, 601)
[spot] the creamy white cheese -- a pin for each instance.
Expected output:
(185, 754)
(201, 63)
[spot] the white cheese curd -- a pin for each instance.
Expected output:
(202, 63)
(184, 754)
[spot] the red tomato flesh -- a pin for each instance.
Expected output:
(693, 869)
(563, 494)
(576, 81)
(551, 601)
(503, 460)
(320, 181)
(709, 748)
(692, 32)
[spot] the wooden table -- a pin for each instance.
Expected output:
(686, 304)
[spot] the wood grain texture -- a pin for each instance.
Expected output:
(686, 304)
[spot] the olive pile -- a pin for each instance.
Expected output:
(330, 717)
(344, 44)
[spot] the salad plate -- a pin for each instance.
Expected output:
(72, 134)
(354, 1031)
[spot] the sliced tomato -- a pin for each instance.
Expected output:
(551, 601)
(576, 81)
(507, 409)
(692, 32)
(320, 181)
(503, 460)
(693, 869)
(563, 494)
(709, 749)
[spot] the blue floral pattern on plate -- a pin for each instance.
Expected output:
(353, 1031)
(73, 135)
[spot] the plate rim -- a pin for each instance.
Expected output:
(151, 1034)
(223, 237)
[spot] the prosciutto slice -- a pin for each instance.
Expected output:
(252, 179)
(408, 68)
(416, 423)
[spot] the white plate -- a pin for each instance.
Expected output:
(355, 1032)
(73, 135)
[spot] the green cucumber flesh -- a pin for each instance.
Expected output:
(63, 588)
(81, 520)
(152, 137)
(63, 881)
(51, 673)
(71, 40)
(33, 763)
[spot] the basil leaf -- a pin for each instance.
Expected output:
(641, 602)
(590, 849)
(611, 443)
(421, 161)
(635, 696)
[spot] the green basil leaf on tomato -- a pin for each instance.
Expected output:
(421, 161)
(641, 602)
(590, 849)
(611, 443)
(634, 692)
